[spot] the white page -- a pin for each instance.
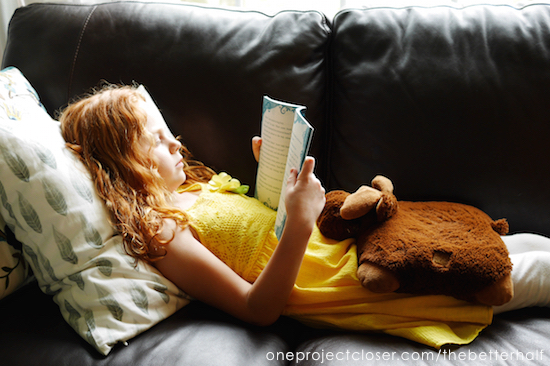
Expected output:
(277, 123)
(302, 134)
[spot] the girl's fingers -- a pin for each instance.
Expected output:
(308, 167)
(292, 177)
(256, 146)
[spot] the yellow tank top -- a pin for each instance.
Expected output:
(238, 229)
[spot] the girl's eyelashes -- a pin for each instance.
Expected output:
(157, 139)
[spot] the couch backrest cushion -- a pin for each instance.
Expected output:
(451, 104)
(206, 68)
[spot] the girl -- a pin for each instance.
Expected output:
(220, 248)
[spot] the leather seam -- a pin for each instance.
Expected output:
(73, 66)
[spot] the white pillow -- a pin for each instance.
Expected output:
(50, 203)
(14, 271)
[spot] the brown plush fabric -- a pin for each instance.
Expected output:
(438, 248)
(333, 226)
(421, 247)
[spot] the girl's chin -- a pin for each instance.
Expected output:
(175, 187)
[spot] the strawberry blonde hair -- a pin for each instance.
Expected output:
(105, 129)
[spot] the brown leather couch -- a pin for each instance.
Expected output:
(451, 104)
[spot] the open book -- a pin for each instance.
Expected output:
(286, 137)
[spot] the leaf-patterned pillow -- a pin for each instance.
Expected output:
(14, 271)
(49, 202)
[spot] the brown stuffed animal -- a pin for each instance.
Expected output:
(421, 247)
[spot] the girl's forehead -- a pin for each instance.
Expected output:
(155, 121)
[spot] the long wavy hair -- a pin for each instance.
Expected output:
(105, 129)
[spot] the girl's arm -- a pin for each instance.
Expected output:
(305, 199)
(198, 272)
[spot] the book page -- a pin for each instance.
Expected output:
(276, 130)
(300, 142)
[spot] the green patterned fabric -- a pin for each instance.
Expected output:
(14, 271)
(49, 202)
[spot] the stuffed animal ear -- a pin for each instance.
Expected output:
(382, 184)
(360, 202)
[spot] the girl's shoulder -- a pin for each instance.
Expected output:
(219, 183)
(191, 187)
(186, 196)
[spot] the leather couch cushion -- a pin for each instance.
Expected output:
(514, 338)
(207, 69)
(34, 333)
(451, 104)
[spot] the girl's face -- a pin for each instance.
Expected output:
(165, 148)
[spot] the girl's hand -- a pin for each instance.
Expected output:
(256, 145)
(305, 196)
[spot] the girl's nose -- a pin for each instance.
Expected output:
(175, 146)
